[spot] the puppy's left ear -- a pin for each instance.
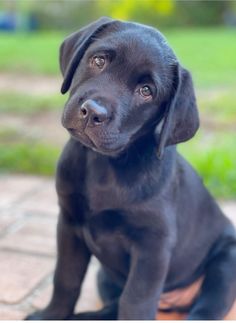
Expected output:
(74, 47)
(181, 119)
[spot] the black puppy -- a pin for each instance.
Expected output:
(125, 194)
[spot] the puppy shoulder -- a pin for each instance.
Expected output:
(70, 167)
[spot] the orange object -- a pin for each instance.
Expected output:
(183, 297)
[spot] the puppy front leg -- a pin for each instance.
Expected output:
(139, 300)
(72, 262)
(218, 292)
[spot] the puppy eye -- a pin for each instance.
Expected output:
(98, 61)
(145, 91)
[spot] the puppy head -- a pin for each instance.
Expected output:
(125, 82)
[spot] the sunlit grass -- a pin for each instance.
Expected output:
(28, 157)
(218, 106)
(208, 53)
(24, 104)
(213, 155)
(35, 53)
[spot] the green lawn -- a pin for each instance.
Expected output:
(218, 106)
(208, 53)
(26, 104)
(28, 156)
(35, 53)
(213, 154)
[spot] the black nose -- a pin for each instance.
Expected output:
(95, 113)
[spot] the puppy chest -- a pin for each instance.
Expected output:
(103, 192)
(103, 233)
(104, 197)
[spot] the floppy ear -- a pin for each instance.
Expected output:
(181, 119)
(74, 47)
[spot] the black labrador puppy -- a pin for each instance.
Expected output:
(125, 194)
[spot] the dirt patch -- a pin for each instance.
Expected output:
(30, 84)
(210, 125)
(49, 128)
(45, 127)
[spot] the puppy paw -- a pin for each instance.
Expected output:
(35, 316)
(44, 315)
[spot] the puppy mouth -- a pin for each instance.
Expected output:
(107, 143)
(80, 136)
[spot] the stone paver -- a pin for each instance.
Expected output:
(89, 299)
(229, 209)
(6, 220)
(37, 235)
(14, 189)
(20, 274)
(44, 201)
(10, 313)
(28, 216)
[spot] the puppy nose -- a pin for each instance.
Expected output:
(95, 113)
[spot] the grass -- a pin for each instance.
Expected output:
(26, 104)
(28, 157)
(211, 153)
(208, 53)
(219, 106)
(21, 152)
(35, 53)
(213, 156)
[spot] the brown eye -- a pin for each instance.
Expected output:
(98, 61)
(145, 91)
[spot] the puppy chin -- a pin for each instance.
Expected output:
(112, 148)
(111, 152)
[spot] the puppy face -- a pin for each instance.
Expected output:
(120, 88)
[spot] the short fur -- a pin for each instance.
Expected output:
(125, 194)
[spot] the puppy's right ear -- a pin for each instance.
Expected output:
(74, 47)
(181, 119)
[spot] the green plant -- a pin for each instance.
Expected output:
(213, 156)
(26, 157)
(27, 104)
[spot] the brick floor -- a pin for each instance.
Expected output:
(28, 215)
(20, 273)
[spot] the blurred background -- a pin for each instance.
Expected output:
(202, 33)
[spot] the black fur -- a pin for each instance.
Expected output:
(125, 194)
